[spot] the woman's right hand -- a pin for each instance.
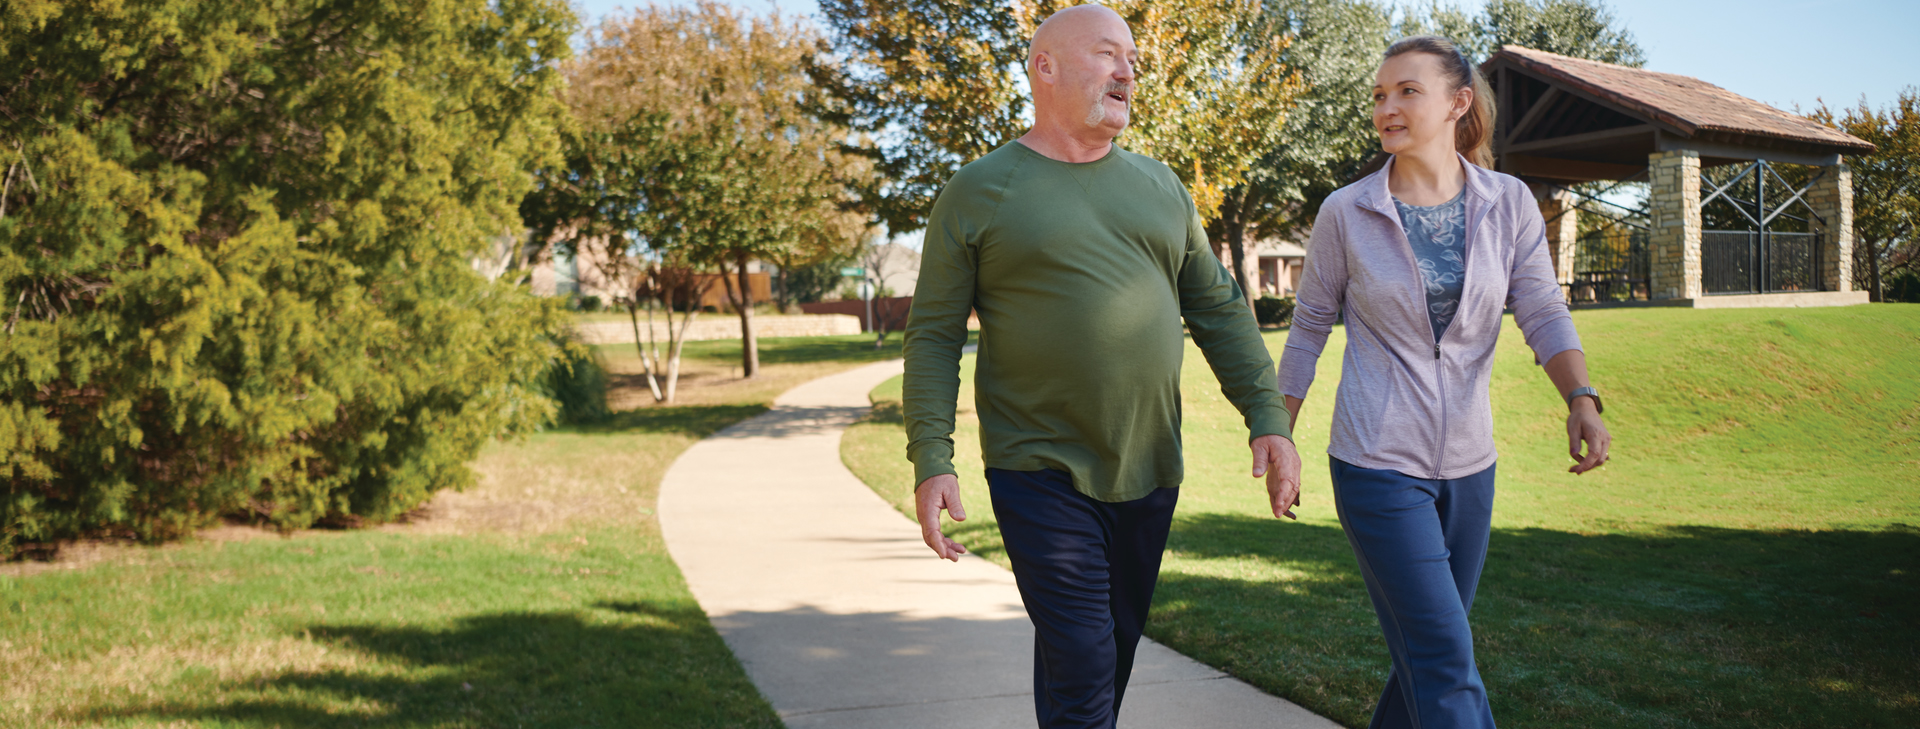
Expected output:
(1584, 424)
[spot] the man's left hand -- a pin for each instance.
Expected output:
(1274, 457)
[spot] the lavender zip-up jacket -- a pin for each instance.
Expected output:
(1405, 403)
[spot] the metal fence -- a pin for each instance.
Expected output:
(1610, 266)
(1749, 262)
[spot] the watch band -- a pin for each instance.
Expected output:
(1598, 407)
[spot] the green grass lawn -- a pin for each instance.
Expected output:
(544, 597)
(1747, 559)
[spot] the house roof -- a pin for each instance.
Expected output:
(1277, 248)
(1684, 103)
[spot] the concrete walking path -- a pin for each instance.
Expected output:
(843, 617)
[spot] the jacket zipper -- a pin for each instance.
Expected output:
(1420, 296)
(1420, 305)
(1439, 373)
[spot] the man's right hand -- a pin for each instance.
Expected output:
(934, 494)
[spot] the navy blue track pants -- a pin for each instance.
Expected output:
(1421, 543)
(1086, 571)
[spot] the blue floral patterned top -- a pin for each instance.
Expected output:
(1438, 234)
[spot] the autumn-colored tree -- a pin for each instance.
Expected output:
(1886, 189)
(1213, 95)
(237, 249)
(1328, 134)
(938, 81)
(695, 148)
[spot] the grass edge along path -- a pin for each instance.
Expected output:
(542, 597)
(1748, 560)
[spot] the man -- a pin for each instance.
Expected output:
(1082, 259)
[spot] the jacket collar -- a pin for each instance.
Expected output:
(1374, 194)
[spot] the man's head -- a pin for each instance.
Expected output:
(1080, 65)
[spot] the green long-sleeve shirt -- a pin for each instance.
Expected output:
(1081, 274)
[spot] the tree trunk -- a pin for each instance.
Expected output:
(749, 345)
(639, 343)
(782, 298)
(1233, 222)
(1875, 292)
(677, 336)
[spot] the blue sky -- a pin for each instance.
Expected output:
(1783, 52)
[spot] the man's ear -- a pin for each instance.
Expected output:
(1043, 67)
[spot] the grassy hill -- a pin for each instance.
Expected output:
(1748, 558)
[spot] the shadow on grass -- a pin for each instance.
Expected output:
(1688, 626)
(696, 420)
(625, 664)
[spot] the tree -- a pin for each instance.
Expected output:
(1213, 93)
(1328, 134)
(1886, 198)
(696, 144)
(1577, 28)
(806, 283)
(935, 79)
(237, 244)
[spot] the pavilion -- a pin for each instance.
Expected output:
(1748, 206)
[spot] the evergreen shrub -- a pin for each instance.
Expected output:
(577, 382)
(237, 255)
(1273, 311)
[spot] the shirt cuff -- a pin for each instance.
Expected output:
(929, 460)
(1269, 420)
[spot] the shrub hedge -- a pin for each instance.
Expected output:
(237, 257)
(1271, 311)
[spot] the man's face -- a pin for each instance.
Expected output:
(1095, 71)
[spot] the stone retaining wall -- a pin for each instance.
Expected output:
(725, 326)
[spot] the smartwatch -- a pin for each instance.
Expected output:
(1598, 407)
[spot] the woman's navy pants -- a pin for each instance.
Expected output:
(1421, 544)
(1086, 570)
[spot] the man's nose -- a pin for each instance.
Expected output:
(1125, 70)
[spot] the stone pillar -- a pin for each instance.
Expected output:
(1674, 242)
(1558, 209)
(1831, 198)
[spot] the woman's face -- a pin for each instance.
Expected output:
(1414, 106)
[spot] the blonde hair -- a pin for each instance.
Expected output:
(1473, 133)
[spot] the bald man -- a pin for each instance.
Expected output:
(1082, 260)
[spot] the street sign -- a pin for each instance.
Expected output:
(852, 271)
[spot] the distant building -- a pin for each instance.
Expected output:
(1279, 262)
(896, 266)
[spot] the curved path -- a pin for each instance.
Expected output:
(842, 616)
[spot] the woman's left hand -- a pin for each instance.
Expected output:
(1583, 424)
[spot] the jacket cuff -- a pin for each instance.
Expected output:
(1296, 377)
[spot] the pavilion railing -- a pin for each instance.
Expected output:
(1752, 262)
(1611, 267)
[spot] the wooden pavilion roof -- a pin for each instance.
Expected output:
(1573, 119)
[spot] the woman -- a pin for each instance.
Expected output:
(1421, 257)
